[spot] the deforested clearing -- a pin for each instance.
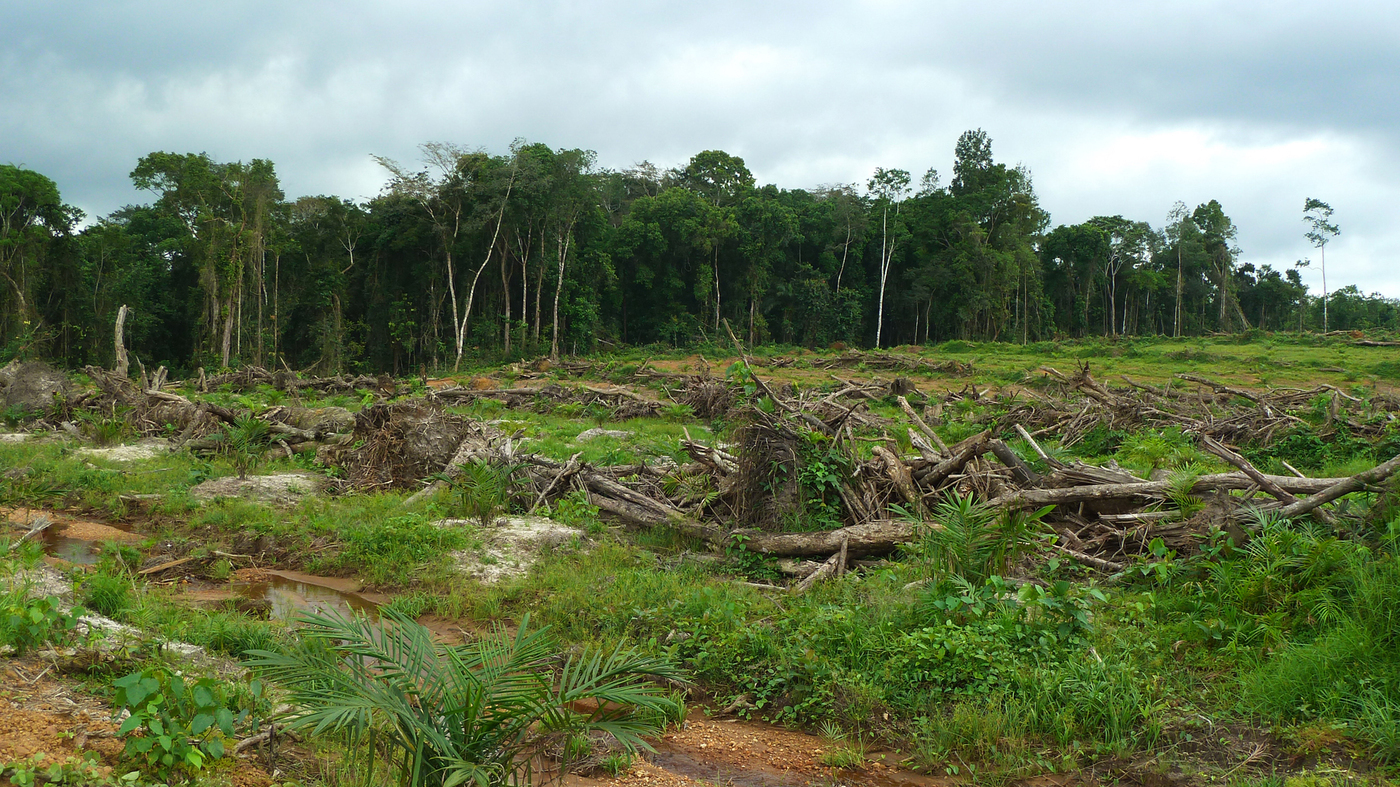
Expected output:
(1089, 559)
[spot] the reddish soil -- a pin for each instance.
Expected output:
(69, 527)
(749, 754)
(39, 715)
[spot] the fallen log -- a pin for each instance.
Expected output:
(869, 538)
(1343, 487)
(834, 566)
(1219, 482)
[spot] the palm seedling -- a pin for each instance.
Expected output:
(484, 713)
(973, 541)
(245, 441)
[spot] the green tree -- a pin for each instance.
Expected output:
(1317, 214)
(32, 219)
(889, 188)
(1218, 237)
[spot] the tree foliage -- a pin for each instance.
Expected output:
(539, 250)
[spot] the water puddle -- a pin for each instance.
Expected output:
(69, 539)
(291, 592)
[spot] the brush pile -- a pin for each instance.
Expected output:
(814, 474)
(747, 493)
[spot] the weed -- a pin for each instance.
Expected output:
(27, 623)
(183, 723)
(107, 594)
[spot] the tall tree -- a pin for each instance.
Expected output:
(1218, 234)
(889, 187)
(32, 217)
(1318, 214)
(572, 196)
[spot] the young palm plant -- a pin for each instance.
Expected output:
(245, 441)
(483, 713)
(969, 539)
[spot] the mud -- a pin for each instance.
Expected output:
(69, 539)
(751, 754)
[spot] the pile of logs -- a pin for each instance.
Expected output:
(1102, 515)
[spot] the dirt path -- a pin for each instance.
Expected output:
(750, 754)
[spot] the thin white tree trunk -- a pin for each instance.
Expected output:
(123, 367)
(563, 246)
(467, 310)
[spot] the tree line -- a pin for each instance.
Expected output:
(539, 250)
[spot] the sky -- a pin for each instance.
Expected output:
(1114, 107)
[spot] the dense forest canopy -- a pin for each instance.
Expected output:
(540, 250)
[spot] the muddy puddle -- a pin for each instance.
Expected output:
(289, 593)
(69, 539)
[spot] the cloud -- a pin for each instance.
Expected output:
(1116, 108)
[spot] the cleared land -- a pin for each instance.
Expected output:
(1137, 561)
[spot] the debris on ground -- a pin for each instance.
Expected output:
(511, 545)
(149, 448)
(281, 489)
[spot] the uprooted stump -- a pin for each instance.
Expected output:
(766, 484)
(397, 445)
(30, 387)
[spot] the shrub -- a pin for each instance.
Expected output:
(183, 724)
(448, 715)
(28, 623)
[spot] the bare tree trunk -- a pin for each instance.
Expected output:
(539, 288)
(505, 288)
(716, 269)
(1180, 284)
(228, 332)
(563, 248)
(462, 326)
(123, 367)
(845, 249)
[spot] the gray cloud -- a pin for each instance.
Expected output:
(1116, 107)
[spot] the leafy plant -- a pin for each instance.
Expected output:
(485, 491)
(28, 623)
(969, 539)
(449, 715)
(244, 442)
(677, 413)
(183, 724)
(40, 769)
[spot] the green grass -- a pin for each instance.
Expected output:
(1294, 632)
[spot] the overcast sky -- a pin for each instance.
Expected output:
(1115, 107)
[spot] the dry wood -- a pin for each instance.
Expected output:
(41, 523)
(570, 468)
(922, 427)
(145, 572)
(898, 473)
(1024, 475)
(1219, 482)
(1106, 565)
(1344, 487)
